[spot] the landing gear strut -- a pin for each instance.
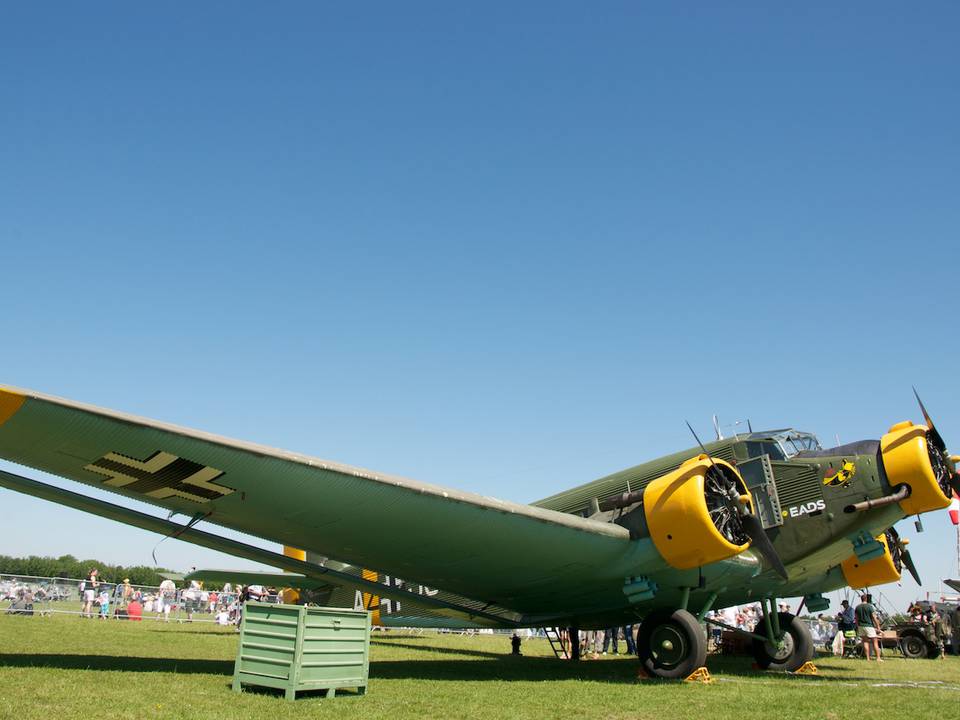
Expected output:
(792, 650)
(671, 644)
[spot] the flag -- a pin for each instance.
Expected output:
(954, 509)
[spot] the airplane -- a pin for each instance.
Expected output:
(750, 518)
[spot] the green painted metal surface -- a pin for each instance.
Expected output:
(295, 648)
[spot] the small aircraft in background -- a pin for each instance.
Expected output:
(750, 518)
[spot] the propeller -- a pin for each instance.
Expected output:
(905, 558)
(733, 511)
(753, 528)
(946, 476)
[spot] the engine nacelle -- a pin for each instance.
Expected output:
(907, 461)
(878, 571)
(679, 520)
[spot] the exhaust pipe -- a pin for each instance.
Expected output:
(901, 494)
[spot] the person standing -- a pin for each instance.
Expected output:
(165, 599)
(868, 626)
(104, 601)
(90, 588)
(628, 637)
(608, 635)
(192, 599)
(939, 629)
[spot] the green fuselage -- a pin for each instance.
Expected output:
(805, 519)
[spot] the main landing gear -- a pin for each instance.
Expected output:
(781, 642)
(673, 644)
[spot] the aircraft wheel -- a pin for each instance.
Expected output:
(671, 644)
(795, 650)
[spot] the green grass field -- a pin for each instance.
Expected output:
(67, 667)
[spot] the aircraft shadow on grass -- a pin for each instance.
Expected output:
(489, 666)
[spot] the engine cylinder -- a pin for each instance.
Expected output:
(680, 522)
(906, 459)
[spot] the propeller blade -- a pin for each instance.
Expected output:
(905, 554)
(908, 563)
(953, 478)
(713, 465)
(955, 483)
(762, 544)
(934, 435)
(702, 448)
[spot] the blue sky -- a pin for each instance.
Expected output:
(508, 249)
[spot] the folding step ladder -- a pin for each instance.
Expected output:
(556, 644)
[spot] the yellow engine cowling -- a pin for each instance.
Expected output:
(679, 522)
(878, 571)
(907, 462)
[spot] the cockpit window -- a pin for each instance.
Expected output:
(798, 442)
(756, 448)
(780, 444)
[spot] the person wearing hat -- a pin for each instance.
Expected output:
(127, 591)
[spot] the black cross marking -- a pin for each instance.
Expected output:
(162, 475)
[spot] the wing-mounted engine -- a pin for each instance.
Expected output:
(885, 568)
(694, 514)
(911, 458)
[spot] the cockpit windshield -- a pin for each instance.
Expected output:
(796, 442)
(788, 442)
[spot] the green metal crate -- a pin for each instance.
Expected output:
(296, 648)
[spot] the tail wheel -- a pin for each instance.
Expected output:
(795, 647)
(671, 644)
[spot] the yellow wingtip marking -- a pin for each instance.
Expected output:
(10, 402)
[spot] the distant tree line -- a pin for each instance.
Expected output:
(67, 566)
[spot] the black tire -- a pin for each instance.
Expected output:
(798, 645)
(671, 644)
(913, 646)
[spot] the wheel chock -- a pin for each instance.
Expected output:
(700, 675)
(643, 674)
(808, 668)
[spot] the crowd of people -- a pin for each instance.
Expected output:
(594, 643)
(130, 602)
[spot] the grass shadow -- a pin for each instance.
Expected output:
(442, 650)
(209, 633)
(343, 692)
(122, 663)
(504, 667)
